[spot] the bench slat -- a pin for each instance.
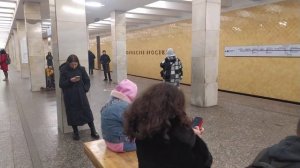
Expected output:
(102, 157)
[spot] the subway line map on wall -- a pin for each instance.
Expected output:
(287, 50)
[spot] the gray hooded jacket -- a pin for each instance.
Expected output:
(285, 154)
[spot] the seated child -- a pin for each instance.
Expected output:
(112, 117)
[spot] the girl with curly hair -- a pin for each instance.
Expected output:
(163, 133)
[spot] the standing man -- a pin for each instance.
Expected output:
(91, 62)
(49, 59)
(172, 68)
(105, 60)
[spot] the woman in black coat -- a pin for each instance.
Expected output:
(162, 131)
(75, 82)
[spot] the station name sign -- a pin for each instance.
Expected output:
(145, 52)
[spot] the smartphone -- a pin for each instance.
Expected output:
(198, 121)
(77, 77)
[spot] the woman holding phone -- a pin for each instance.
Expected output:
(75, 82)
(163, 133)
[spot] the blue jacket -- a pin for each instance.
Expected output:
(112, 120)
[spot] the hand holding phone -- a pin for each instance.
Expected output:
(197, 121)
(197, 126)
(75, 79)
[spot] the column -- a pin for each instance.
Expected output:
(45, 45)
(32, 14)
(69, 36)
(118, 34)
(17, 50)
(98, 52)
(205, 52)
(22, 40)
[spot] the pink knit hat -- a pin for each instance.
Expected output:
(127, 88)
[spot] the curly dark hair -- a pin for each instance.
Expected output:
(156, 111)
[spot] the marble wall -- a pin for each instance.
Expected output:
(69, 36)
(277, 23)
(33, 25)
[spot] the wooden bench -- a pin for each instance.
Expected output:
(102, 157)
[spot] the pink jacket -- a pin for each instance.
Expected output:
(3, 64)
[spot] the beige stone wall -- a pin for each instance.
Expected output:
(263, 76)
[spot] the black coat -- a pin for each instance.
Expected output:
(183, 150)
(76, 102)
(91, 59)
(104, 59)
(285, 154)
(49, 59)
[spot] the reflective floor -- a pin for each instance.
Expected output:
(235, 130)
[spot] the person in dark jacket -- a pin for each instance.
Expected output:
(49, 59)
(163, 133)
(285, 154)
(172, 68)
(75, 82)
(91, 61)
(105, 60)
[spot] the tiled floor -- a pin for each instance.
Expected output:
(236, 130)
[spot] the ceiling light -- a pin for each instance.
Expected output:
(6, 10)
(5, 24)
(107, 19)
(138, 10)
(103, 22)
(89, 3)
(72, 10)
(81, 2)
(4, 29)
(98, 25)
(5, 21)
(94, 4)
(46, 23)
(158, 4)
(6, 15)
(8, 4)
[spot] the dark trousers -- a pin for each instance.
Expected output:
(91, 69)
(91, 125)
(106, 71)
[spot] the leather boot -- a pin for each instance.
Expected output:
(76, 136)
(75, 133)
(94, 133)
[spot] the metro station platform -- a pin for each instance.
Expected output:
(235, 130)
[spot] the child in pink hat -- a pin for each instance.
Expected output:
(112, 117)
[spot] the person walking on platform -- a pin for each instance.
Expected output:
(4, 61)
(105, 60)
(49, 59)
(91, 61)
(75, 82)
(172, 68)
